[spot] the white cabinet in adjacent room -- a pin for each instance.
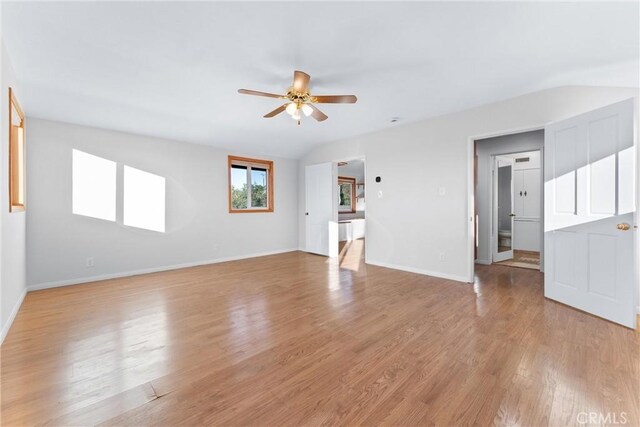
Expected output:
(526, 187)
(527, 201)
(526, 235)
(351, 229)
(531, 194)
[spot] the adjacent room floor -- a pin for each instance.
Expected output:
(523, 259)
(295, 339)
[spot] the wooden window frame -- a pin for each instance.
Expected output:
(17, 169)
(352, 181)
(246, 161)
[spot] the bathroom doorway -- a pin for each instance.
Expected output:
(517, 209)
(509, 198)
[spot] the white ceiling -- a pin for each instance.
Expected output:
(171, 70)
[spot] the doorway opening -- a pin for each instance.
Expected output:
(508, 207)
(351, 213)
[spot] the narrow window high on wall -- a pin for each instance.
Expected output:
(17, 185)
(250, 185)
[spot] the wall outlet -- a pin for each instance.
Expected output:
(89, 262)
(441, 256)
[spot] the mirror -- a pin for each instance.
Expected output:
(505, 223)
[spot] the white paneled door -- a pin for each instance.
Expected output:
(321, 213)
(589, 205)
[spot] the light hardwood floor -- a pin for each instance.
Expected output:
(295, 339)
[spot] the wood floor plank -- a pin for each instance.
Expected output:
(297, 339)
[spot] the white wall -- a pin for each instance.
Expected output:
(199, 228)
(486, 148)
(412, 225)
(12, 235)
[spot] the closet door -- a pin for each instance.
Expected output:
(531, 193)
(518, 193)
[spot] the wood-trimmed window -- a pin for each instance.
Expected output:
(346, 194)
(17, 185)
(250, 185)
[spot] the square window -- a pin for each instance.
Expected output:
(250, 185)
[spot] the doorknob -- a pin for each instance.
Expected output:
(623, 226)
(512, 214)
(306, 213)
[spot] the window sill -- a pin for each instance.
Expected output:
(251, 210)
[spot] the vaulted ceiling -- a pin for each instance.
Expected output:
(172, 70)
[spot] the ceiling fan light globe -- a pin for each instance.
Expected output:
(306, 109)
(296, 115)
(292, 108)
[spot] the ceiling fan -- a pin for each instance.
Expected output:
(300, 101)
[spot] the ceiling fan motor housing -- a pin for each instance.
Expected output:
(299, 97)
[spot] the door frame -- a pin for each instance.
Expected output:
(471, 190)
(366, 197)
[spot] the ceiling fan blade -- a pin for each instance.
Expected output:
(335, 99)
(317, 114)
(275, 112)
(258, 93)
(300, 81)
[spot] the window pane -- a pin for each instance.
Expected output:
(16, 156)
(258, 188)
(21, 164)
(94, 186)
(144, 200)
(345, 195)
(239, 187)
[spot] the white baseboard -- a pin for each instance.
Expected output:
(68, 282)
(457, 278)
(12, 316)
(483, 262)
